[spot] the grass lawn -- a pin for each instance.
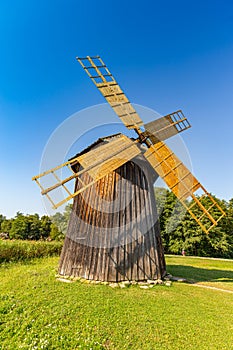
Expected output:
(210, 272)
(39, 312)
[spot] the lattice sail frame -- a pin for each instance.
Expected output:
(184, 185)
(166, 127)
(109, 88)
(98, 163)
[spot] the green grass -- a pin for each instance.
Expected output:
(210, 272)
(18, 250)
(39, 312)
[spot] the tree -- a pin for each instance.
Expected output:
(34, 224)
(171, 214)
(19, 228)
(180, 231)
(61, 222)
(2, 218)
(55, 234)
(45, 227)
(26, 227)
(199, 243)
(6, 225)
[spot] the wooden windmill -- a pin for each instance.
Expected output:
(113, 232)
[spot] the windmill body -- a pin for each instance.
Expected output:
(113, 232)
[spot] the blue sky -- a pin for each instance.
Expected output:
(165, 55)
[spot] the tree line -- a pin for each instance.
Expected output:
(32, 227)
(179, 230)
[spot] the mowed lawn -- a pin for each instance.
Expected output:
(216, 273)
(39, 312)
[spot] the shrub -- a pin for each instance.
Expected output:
(17, 250)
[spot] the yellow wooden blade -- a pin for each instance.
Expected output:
(184, 185)
(107, 85)
(165, 127)
(108, 157)
(97, 163)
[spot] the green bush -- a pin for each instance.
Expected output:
(18, 250)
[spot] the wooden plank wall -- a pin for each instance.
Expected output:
(117, 245)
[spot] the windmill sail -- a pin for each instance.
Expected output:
(107, 85)
(157, 130)
(184, 185)
(97, 163)
(166, 127)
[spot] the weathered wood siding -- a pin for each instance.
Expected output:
(110, 243)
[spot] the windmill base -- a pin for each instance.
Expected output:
(136, 261)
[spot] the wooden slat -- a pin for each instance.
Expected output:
(183, 184)
(112, 92)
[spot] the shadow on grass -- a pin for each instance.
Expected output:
(196, 274)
